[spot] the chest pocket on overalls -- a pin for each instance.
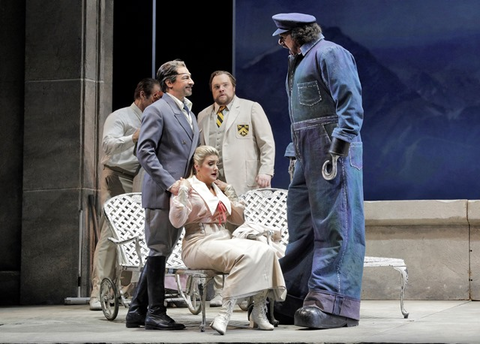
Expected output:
(309, 93)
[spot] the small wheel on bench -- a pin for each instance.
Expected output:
(109, 298)
(193, 294)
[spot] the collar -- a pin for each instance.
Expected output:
(307, 46)
(210, 199)
(180, 103)
(137, 110)
(228, 106)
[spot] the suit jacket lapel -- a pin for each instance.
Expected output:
(206, 123)
(182, 120)
(232, 114)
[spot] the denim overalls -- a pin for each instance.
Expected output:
(325, 218)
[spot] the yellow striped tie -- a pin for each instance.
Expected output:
(220, 115)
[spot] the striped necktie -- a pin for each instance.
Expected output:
(220, 115)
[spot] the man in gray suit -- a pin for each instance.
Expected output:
(168, 137)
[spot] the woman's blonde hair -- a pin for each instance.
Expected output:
(201, 153)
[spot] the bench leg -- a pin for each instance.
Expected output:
(203, 297)
(403, 271)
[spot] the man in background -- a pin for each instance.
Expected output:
(239, 129)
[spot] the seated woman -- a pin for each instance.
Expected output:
(203, 206)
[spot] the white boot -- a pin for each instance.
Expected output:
(220, 322)
(258, 318)
(216, 301)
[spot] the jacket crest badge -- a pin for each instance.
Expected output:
(243, 129)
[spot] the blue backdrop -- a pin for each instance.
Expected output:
(420, 69)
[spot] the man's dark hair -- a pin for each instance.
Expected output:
(306, 33)
(168, 72)
(146, 85)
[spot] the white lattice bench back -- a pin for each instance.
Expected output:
(267, 207)
(126, 214)
(127, 219)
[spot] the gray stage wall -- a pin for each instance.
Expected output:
(420, 131)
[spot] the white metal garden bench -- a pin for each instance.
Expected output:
(127, 218)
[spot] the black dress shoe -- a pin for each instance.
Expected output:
(313, 317)
(161, 322)
(135, 319)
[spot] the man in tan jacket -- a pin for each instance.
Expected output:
(239, 129)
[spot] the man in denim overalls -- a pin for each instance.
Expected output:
(323, 264)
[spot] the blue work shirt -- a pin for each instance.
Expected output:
(322, 81)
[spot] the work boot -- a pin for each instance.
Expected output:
(313, 317)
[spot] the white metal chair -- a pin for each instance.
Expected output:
(268, 206)
(127, 219)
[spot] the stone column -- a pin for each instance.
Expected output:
(12, 52)
(68, 82)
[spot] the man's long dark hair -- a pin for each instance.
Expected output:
(306, 33)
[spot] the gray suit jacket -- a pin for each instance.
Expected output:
(165, 149)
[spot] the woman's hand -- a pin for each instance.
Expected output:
(183, 192)
(221, 185)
